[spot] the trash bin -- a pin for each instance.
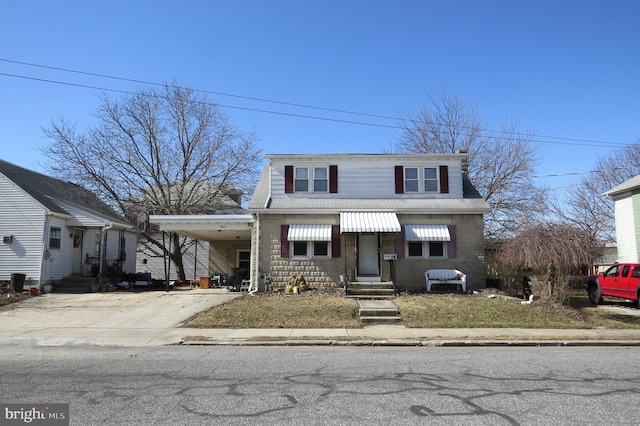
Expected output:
(205, 282)
(17, 282)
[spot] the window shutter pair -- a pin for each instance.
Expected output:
(333, 179)
(444, 179)
(284, 241)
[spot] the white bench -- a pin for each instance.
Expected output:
(445, 276)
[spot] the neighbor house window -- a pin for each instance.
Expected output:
(411, 180)
(55, 236)
(301, 180)
(320, 179)
(430, 179)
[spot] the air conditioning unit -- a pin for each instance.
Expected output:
(7, 239)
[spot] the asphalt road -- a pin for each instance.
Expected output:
(198, 385)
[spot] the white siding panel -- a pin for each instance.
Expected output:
(626, 231)
(57, 263)
(22, 217)
(195, 261)
(368, 179)
(636, 223)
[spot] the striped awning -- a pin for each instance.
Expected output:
(307, 232)
(369, 222)
(427, 233)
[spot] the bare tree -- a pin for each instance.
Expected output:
(168, 151)
(584, 206)
(501, 162)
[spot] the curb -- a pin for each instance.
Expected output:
(416, 343)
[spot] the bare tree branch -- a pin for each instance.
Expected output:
(501, 163)
(167, 151)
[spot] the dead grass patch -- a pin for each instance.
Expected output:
(281, 311)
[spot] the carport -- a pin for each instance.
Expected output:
(230, 237)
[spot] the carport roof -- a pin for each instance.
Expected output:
(207, 227)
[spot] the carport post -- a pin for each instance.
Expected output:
(167, 261)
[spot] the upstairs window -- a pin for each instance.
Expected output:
(306, 179)
(411, 181)
(55, 236)
(421, 179)
(301, 180)
(320, 179)
(430, 179)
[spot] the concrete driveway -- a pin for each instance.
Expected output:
(112, 318)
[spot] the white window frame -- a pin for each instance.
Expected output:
(318, 180)
(52, 231)
(426, 250)
(310, 250)
(415, 180)
(297, 180)
(421, 182)
(430, 180)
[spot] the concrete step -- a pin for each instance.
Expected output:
(370, 289)
(378, 312)
(380, 320)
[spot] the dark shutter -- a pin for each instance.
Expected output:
(333, 179)
(444, 179)
(335, 240)
(400, 243)
(284, 241)
(399, 180)
(452, 247)
(288, 179)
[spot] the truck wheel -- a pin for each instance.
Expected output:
(594, 294)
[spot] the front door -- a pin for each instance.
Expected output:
(368, 259)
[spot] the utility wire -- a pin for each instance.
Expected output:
(567, 141)
(150, 83)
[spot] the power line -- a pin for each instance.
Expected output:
(86, 86)
(558, 140)
(211, 92)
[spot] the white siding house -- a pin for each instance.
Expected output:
(53, 229)
(626, 197)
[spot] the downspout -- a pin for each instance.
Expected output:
(256, 243)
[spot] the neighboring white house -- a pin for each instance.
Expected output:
(626, 197)
(53, 229)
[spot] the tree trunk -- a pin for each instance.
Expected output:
(176, 256)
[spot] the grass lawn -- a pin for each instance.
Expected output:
(281, 311)
(319, 310)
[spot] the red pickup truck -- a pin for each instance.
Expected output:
(621, 280)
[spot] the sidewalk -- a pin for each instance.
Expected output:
(397, 335)
(155, 318)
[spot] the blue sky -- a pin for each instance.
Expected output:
(562, 69)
